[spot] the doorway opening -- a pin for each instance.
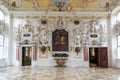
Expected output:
(98, 57)
(93, 57)
(26, 56)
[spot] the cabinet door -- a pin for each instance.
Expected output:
(103, 57)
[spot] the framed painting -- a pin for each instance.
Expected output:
(60, 40)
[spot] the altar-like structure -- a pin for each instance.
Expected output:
(60, 44)
(60, 59)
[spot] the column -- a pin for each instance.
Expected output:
(109, 40)
(10, 47)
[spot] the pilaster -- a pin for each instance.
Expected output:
(11, 36)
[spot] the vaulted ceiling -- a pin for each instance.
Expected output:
(73, 3)
(48, 4)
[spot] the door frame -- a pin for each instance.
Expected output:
(21, 60)
(97, 55)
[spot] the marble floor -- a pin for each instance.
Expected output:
(58, 73)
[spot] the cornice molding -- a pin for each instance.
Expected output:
(38, 14)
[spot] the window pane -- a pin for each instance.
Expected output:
(1, 52)
(5, 41)
(118, 40)
(118, 52)
(1, 15)
(118, 16)
(5, 52)
(1, 40)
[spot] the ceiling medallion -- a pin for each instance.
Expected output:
(60, 4)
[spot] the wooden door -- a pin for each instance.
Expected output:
(103, 57)
(26, 56)
(93, 56)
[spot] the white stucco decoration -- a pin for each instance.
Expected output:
(103, 3)
(43, 36)
(28, 0)
(92, 0)
(18, 2)
(116, 28)
(4, 30)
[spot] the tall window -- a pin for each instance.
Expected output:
(3, 46)
(1, 16)
(118, 16)
(118, 46)
(3, 40)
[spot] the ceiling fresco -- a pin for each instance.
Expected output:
(59, 4)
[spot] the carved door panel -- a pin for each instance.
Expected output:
(26, 56)
(103, 57)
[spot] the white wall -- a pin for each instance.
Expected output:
(48, 60)
(115, 60)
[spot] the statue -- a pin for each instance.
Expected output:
(60, 23)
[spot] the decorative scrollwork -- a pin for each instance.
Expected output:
(60, 4)
(15, 3)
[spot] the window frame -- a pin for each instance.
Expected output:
(118, 41)
(2, 15)
(117, 14)
(3, 40)
(118, 47)
(4, 54)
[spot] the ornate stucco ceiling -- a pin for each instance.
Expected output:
(73, 3)
(48, 4)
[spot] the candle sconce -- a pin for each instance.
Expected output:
(43, 50)
(77, 51)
